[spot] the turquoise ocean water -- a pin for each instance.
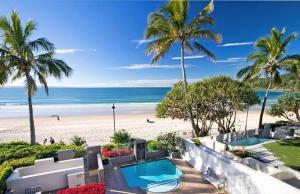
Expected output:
(73, 101)
(16, 96)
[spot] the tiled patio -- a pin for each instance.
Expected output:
(191, 181)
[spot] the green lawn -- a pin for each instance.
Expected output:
(287, 151)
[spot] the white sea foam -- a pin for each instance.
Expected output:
(75, 109)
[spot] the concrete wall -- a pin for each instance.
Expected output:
(233, 136)
(48, 164)
(213, 144)
(122, 159)
(45, 173)
(240, 178)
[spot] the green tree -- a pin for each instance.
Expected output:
(287, 106)
(24, 58)
(215, 100)
(269, 60)
(228, 96)
(289, 81)
(171, 25)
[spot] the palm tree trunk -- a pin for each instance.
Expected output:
(264, 103)
(31, 121)
(194, 126)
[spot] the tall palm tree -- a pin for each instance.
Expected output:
(269, 60)
(171, 25)
(31, 60)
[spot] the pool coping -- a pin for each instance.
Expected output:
(191, 181)
(249, 147)
(149, 161)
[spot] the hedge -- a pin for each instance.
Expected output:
(18, 154)
(16, 150)
(8, 166)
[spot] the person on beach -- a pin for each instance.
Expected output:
(148, 121)
(57, 117)
(52, 141)
(45, 141)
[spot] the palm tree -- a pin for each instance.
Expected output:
(270, 60)
(31, 60)
(171, 25)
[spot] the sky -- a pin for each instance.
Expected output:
(103, 41)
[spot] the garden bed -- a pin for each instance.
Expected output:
(240, 153)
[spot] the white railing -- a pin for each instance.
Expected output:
(240, 179)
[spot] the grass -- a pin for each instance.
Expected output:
(288, 151)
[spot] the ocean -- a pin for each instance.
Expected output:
(79, 101)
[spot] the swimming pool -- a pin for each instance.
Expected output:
(248, 141)
(155, 176)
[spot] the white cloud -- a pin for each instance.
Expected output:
(189, 57)
(151, 66)
(142, 41)
(236, 44)
(231, 60)
(72, 50)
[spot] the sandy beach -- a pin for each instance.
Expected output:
(97, 129)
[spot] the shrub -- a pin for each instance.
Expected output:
(170, 141)
(154, 145)
(8, 166)
(280, 124)
(121, 137)
(18, 150)
(197, 142)
(61, 142)
(5, 171)
(78, 141)
(18, 154)
(94, 188)
(110, 146)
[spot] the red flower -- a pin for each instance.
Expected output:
(107, 153)
(94, 188)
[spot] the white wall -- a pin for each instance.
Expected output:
(240, 178)
(44, 174)
(48, 164)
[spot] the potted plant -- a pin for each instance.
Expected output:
(171, 142)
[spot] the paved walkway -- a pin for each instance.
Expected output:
(191, 181)
(262, 154)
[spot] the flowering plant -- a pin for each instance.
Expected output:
(111, 153)
(94, 188)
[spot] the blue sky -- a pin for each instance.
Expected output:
(102, 40)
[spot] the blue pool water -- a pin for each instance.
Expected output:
(248, 141)
(156, 176)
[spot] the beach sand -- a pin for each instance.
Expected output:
(99, 129)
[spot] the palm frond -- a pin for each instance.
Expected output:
(29, 28)
(208, 8)
(4, 74)
(41, 44)
(187, 47)
(206, 34)
(204, 51)
(241, 73)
